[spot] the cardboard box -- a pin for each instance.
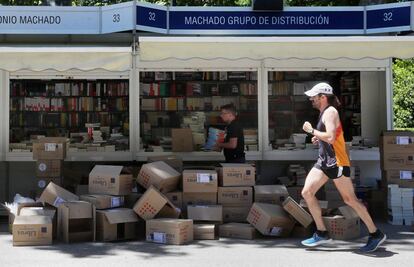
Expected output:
(345, 226)
(176, 198)
(237, 230)
(271, 194)
(297, 212)
(236, 196)
(55, 195)
(270, 220)
(174, 161)
(131, 199)
(32, 231)
(110, 180)
(198, 181)
(50, 148)
(76, 222)
(170, 231)
(397, 141)
(116, 224)
(49, 168)
(236, 174)
(403, 178)
(104, 201)
(153, 204)
(235, 213)
(41, 211)
(205, 231)
(199, 199)
(182, 140)
(41, 184)
(212, 213)
(397, 161)
(160, 175)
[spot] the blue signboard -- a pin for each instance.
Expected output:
(151, 18)
(384, 18)
(249, 22)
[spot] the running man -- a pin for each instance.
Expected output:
(333, 163)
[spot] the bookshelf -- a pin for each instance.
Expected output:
(289, 107)
(193, 100)
(68, 108)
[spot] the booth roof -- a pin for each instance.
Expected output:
(62, 58)
(259, 48)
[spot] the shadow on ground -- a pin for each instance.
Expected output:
(398, 235)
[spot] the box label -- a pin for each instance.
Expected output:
(50, 147)
(159, 237)
(406, 175)
(275, 231)
(203, 178)
(58, 201)
(115, 202)
(403, 140)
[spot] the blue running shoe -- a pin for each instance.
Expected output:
(373, 242)
(316, 240)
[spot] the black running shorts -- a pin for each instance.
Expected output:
(335, 172)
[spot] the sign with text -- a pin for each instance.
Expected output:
(245, 21)
(388, 18)
(49, 20)
(152, 18)
(118, 18)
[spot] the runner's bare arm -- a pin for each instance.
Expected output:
(330, 119)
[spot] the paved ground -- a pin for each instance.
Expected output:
(224, 252)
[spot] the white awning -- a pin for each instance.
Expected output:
(153, 49)
(65, 58)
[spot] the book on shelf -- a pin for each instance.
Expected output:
(281, 88)
(219, 101)
(62, 89)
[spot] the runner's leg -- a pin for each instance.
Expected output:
(314, 181)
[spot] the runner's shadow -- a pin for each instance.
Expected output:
(379, 253)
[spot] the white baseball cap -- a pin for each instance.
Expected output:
(320, 88)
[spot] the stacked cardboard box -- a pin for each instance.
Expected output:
(108, 187)
(169, 231)
(344, 226)
(270, 220)
(49, 153)
(160, 175)
(199, 187)
(237, 230)
(235, 193)
(200, 196)
(397, 165)
(400, 205)
(271, 194)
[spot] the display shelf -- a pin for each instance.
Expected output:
(65, 107)
(193, 100)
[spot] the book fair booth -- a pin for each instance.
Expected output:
(133, 83)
